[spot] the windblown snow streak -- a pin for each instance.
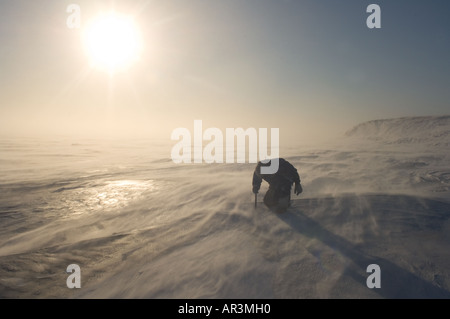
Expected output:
(140, 226)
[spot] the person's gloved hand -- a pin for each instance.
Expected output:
(255, 190)
(298, 189)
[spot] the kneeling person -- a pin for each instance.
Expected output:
(278, 197)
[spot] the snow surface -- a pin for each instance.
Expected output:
(140, 226)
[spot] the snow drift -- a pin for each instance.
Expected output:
(428, 130)
(140, 226)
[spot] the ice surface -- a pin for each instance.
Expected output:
(140, 226)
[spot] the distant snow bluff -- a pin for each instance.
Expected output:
(234, 148)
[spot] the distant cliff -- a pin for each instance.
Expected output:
(434, 130)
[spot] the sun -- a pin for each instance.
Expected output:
(112, 42)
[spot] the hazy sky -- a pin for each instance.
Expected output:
(308, 67)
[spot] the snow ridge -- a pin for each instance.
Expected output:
(430, 130)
